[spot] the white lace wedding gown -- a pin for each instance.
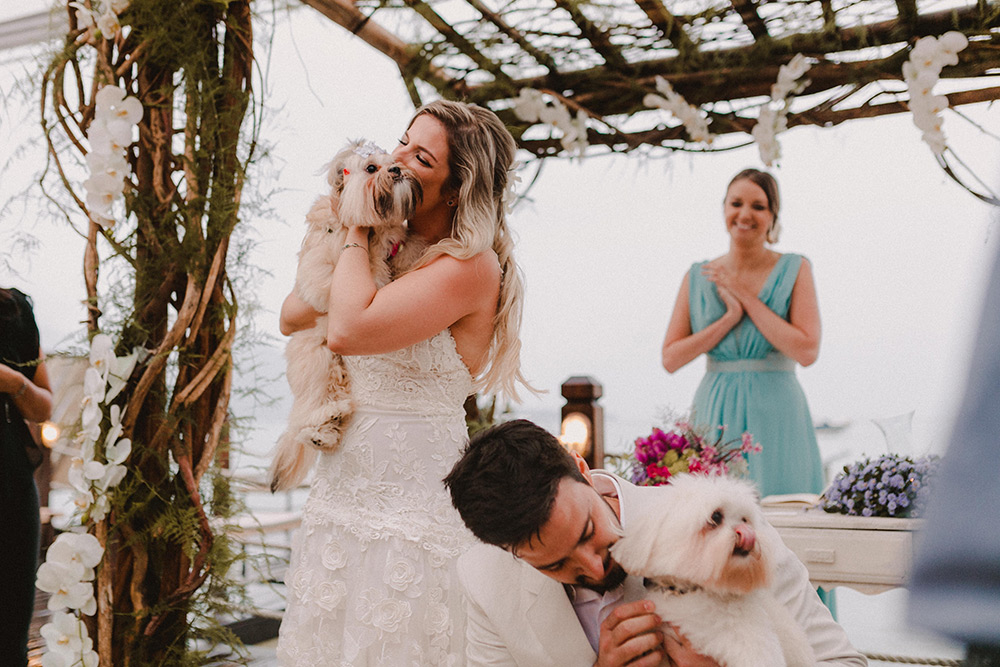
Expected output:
(372, 579)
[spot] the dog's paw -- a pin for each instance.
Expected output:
(327, 436)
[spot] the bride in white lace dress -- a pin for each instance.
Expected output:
(372, 578)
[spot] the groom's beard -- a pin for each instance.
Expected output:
(614, 575)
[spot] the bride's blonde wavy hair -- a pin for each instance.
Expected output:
(481, 154)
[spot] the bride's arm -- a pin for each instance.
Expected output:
(296, 315)
(412, 308)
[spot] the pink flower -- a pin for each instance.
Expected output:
(676, 441)
(657, 471)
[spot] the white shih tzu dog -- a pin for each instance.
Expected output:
(367, 189)
(706, 557)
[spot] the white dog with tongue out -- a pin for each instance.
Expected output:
(706, 562)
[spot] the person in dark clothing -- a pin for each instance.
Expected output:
(25, 394)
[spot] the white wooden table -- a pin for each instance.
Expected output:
(868, 554)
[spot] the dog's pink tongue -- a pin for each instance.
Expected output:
(745, 538)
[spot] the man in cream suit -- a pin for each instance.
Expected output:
(543, 590)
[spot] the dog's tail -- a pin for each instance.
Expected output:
(292, 462)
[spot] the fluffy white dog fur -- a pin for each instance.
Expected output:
(366, 189)
(707, 563)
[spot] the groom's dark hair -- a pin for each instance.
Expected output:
(505, 483)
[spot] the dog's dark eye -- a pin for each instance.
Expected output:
(716, 518)
(371, 169)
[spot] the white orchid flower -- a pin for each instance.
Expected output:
(790, 81)
(109, 138)
(81, 548)
(81, 597)
(64, 636)
(113, 475)
(93, 470)
(115, 430)
(673, 102)
(84, 17)
(102, 353)
(87, 438)
(99, 508)
(574, 138)
(94, 384)
(129, 111)
(952, 41)
(121, 371)
(106, 164)
(529, 105)
(112, 104)
(103, 185)
(75, 476)
(928, 122)
(119, 133)
(921, 72)
(764, 135)
(108, 24)
(930, 104)
(83, 500)
(99, 204)
(107, 98)
(118, 452)
(118, 6)
(510, 193)
(62, 582)
(53, 576)
(555, 114)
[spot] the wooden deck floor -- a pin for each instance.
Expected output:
(40, 618)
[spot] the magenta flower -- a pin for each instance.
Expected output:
(694, 452)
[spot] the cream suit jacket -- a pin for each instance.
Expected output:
(519, 616)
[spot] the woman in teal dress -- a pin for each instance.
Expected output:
(754, 312)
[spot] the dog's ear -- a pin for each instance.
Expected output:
(647, 538)
(338, 165)
(335, 172)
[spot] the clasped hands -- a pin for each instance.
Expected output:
(633, 635)
(730, 290)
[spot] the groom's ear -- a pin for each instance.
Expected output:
(581, 465)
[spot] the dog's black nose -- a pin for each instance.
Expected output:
(394, 170)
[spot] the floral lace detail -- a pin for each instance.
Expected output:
(428, 377)
(372, 578)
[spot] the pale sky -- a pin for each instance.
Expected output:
(899, 251)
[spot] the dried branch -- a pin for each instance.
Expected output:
(751, 19)
(457, 40)
(344, 13)
(671, 27)
(597, 37)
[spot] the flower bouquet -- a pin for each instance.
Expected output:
(889, 486)
(662, 454)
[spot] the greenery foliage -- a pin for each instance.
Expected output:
(165, 576)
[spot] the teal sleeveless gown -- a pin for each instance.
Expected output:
(750, 386)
